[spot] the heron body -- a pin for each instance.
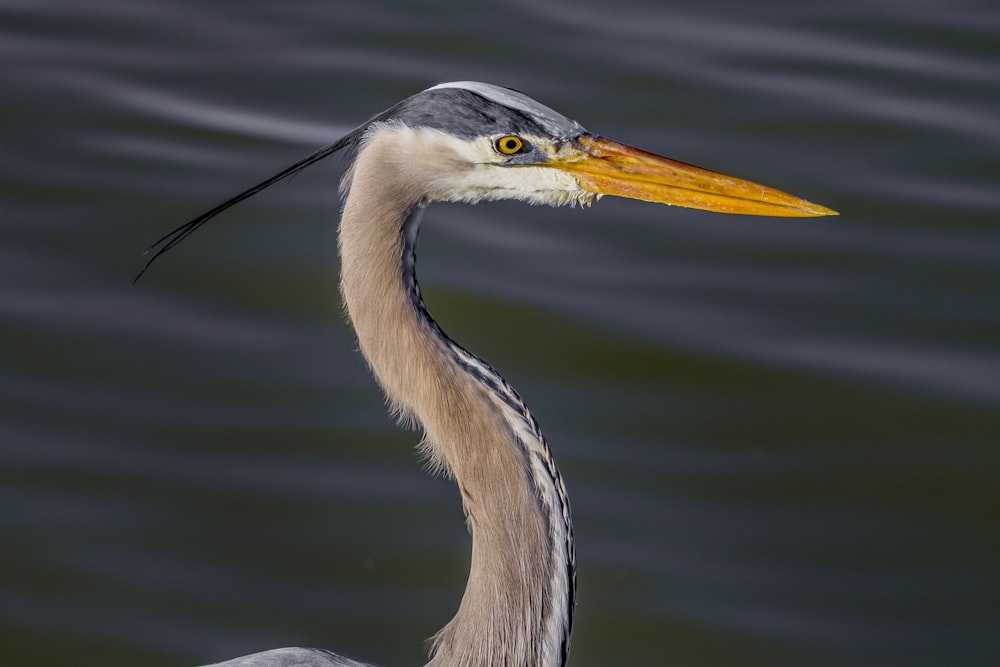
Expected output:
(471, 142)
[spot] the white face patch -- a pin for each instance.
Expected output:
(443, 167)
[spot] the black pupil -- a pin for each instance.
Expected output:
(510, 144)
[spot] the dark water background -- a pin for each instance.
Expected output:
(780, 437)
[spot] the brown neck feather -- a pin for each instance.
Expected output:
(506, 615)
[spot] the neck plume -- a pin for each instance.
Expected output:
(518, 602)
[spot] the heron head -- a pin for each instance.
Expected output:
(470, 141)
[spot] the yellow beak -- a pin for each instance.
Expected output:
(607, 167)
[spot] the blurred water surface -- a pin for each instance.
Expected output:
(780, 437)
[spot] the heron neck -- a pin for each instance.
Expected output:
(518, 602)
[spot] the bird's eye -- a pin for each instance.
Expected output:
(509, 145)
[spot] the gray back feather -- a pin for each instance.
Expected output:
(292, 657)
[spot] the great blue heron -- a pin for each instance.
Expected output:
(470, 142)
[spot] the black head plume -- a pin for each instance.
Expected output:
(175, 237)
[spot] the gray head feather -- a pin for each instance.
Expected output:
(470, 109)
